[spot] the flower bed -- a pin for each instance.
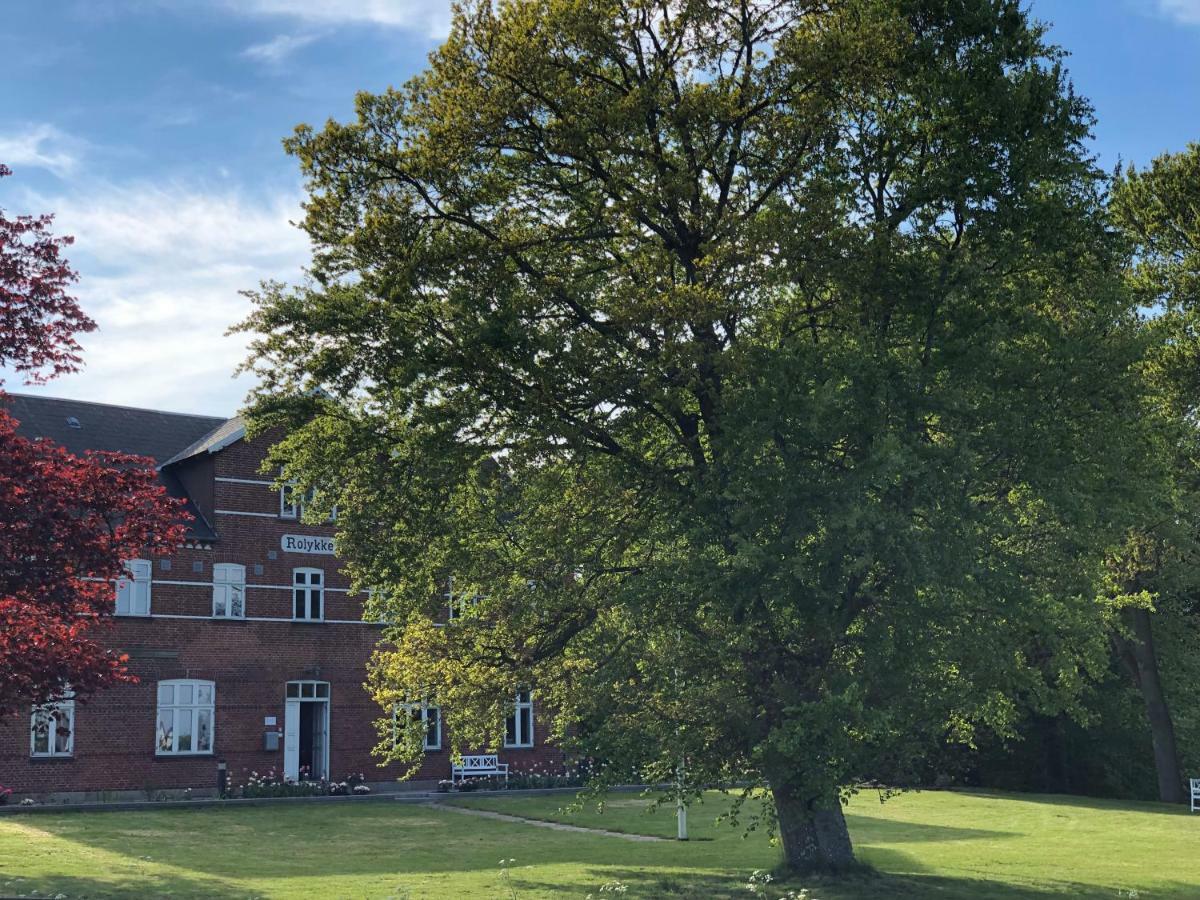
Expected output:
(271, 784)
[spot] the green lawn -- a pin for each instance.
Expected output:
(935, 844)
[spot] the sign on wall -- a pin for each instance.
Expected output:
(303, 543)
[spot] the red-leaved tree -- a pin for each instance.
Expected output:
(66, 522)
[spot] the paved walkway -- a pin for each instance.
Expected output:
(556, 826)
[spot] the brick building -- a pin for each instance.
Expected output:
(247, 642)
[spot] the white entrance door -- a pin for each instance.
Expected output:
(310, 730)
(291, 740)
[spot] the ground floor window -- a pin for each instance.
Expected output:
(52, 728)
(518, 727)
(430, 716)
(185, 717)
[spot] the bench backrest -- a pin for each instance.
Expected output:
(479, 763)
(1196, 786)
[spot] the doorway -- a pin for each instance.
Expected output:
(306, 731)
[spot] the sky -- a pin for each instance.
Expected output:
(153, 128)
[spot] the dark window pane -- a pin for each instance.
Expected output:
(526, 725)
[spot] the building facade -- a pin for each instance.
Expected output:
(249, 647)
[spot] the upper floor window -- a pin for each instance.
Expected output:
(185, 717)
(518, 727)
(52, 728)
(292, 502)
(430, 717)
(308, 592)
(133, 588)
(229, 591)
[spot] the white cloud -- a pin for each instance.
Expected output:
(42, 146)
(1185, 11)
(429, 16)
(160, 271)
(279, 48)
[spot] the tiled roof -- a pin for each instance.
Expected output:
(78, 426)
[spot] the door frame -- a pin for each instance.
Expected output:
(295, 693)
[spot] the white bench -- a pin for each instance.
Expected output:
(1195, 794)
(477, 765)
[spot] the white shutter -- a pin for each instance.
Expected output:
(141, 571)
(124, 594)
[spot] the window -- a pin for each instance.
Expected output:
(133, 588)
(430, 716)
(518, 727)
(292, 502)
(308, 591)
(458, 604)
(52, 728)
(185, 717)
(229, 591)
(308, 690)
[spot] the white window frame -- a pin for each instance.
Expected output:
(193, 710)
(291, 502)
(308, 587)
(456, 605)
(290, 505)
(520, 739)
(229, 585)
(53, 713)
(433, 737)
(133, 587)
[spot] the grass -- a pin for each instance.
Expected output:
(927, 845)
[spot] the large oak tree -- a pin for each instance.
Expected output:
(760, 371)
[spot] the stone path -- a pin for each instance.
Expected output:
(556, 826)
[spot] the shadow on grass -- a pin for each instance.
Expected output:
(148, 885)
(869, 830)
(1075, 801)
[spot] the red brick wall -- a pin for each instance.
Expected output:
(250, 661)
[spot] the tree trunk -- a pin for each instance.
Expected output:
(1142, 661)
(813, 833)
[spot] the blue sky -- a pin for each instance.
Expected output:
(152, 128)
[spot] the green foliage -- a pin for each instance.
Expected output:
(761, 373)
